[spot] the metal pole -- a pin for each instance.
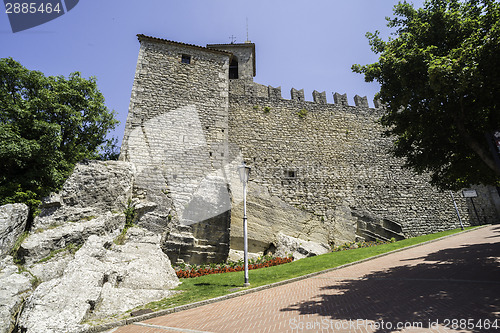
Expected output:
(456, 208)
(245, 233)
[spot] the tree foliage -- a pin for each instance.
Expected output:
(440, 82)
(47, 125)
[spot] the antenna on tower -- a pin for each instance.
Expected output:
(248, 40)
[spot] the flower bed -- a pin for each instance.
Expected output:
(195, 271)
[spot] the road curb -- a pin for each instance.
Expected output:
(128, 321)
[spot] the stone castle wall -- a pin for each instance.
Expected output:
(331, 159)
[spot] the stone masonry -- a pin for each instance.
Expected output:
(318, 169)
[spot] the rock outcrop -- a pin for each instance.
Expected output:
(15, 286)
(89, 269)
(268, 215)
(93, 189)
(85, 271)
(202, 234)
(102, 280)
(298, 248)
(40, 244)
(235, 255)
(13, 218)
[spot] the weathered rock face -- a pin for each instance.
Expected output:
(298, 248)
(95, 187)
(14, 288)
(40, 244)
(13, 218)
(268, 216)
(202, 235)
(103, 279)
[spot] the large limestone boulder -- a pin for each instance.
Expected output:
(13, 218)
(268, 215)
(102, 280)
(94, 187)
(235, 255)
(15, 286)
(298, 248)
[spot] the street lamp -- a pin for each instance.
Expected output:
(244, 172)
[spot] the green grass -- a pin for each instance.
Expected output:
(210, 286)
(18, 243)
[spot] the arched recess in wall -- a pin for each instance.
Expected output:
(233, 68)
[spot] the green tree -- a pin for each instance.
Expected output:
(47, 125)
(440, 82)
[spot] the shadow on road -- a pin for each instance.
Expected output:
(451, 284)
(495, 230)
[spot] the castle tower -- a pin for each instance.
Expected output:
(242, 65)
(176, 136)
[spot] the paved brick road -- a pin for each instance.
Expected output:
(453, 281)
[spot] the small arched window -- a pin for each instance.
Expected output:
(233, 68)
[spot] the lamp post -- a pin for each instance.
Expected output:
(244, 172)
(458, 213)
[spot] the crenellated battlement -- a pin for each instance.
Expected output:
(361, 101)
(252, 89)
(274, 93)
(319, 97)
(297, 95)
(340, 99)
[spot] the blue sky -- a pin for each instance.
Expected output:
(308, 45)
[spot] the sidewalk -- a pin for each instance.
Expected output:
(452, 285)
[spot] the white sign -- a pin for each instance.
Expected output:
(469, 193)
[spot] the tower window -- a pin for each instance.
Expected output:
(186, 59)
(233, 69)
(291, 174)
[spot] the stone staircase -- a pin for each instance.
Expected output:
(373, 228)
(199, 243)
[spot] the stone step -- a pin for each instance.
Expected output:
(184, 228)
(181, 239)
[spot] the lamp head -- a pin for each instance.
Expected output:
(244, 172)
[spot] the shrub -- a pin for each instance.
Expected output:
(130, 215)
(302, 113)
